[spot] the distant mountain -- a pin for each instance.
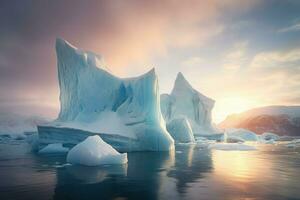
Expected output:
(282, 120)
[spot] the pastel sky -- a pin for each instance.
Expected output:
(243, 53)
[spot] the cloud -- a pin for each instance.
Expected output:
(276, 74)
(236, 57)
(195, 61)
(275, 59)
(292, 28)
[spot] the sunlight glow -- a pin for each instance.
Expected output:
(237, 165)
(232, 104)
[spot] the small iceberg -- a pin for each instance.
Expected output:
(241, 133)
(232, 147)
(181, 131)
(93, 151)
(233, 139)
(56, 148)
(271, 141)
(19, 136)
(269, 136)
(293, 144)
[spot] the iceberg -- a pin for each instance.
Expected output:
(185, 101)
(233, 139)
(269, 136)
(55, 148)
(241, 133)
(180, 130)
(93, 151)
(269, 141)
(124, 112)
(17, 125)
(294, 143)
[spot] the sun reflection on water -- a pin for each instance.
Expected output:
(241, 166)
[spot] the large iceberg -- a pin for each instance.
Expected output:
(94, 151)
(185, 101)
(124, 112)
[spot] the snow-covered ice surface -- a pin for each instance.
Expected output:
(241, 133)
(55, 148)
(93, 151)
(232, 147)
(185, 101)
(94, 100)
(180, 130)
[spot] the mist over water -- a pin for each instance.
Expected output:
(189, 172)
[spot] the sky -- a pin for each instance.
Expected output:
(243, 54)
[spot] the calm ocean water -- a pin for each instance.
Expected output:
(190, 172)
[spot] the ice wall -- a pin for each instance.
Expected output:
(94, 100)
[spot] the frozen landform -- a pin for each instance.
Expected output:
(242, 134)
(185, 101)
(268, 141)
(181, 131)
(93, 101)
(15, 125)
(94, 151)
(55, 148)
(294, 143)
(233, 139)
(231, 147)
(269, 136)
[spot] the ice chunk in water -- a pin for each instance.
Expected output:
(94, 151)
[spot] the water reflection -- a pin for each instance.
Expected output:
(89, 175)
(148, 175)
(270, 173)
(190, 165)
(24, 175)
(240, 166)
(189, 172)
(139, 179)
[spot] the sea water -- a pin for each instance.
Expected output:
(189, 172)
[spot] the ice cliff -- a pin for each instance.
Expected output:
(185, 101)
(94, 101)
